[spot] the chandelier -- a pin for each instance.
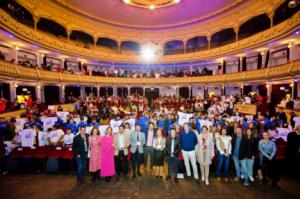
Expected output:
(151, 4)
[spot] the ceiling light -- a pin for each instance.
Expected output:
(176, 1)
(126, 1)
(148, 53)
(152, 7)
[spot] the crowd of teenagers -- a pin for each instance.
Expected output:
(116, 136)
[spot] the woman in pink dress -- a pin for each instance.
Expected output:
(95, 153)
(107, 154)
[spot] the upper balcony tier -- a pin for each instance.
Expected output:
(124, 47)
(15, 72)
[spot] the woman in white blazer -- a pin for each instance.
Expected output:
(205, 153)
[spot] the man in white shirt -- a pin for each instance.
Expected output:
(55, 137)
(28, 137)
(121, 144)
(42, 136)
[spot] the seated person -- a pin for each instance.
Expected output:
(68, 138)
(55, 137)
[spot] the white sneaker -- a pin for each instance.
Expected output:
(202, 178)
(251, 179)
(207, 182)
(242, 177)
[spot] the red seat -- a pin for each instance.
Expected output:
(42, 152)
(56, 152)
(68, 153)
(28, 152)
(17, 152)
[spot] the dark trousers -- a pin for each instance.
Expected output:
(173, 161)
(269, 169)
(81, 166)
(121, 163)
(136, 160)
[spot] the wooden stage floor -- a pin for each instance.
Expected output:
(63, 186)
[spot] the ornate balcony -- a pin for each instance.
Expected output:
(29, 34)
(15, 72)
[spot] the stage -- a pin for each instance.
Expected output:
(63, 186)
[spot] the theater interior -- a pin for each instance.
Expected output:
(119, 60)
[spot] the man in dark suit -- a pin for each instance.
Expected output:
(80, 150)
(172, 149)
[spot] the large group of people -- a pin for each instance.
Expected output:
(119, 136)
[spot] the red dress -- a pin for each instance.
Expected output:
(95, 153)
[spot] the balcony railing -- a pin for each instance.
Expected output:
(15, 72)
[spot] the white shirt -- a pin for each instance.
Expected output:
(121, 140)
(55, 135)
(227, 144)
(27, 137)
(68, 139)
(172, 145)
(43, 138)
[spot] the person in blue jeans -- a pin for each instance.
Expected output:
(223, 143)
(172, 149)
(236, 142)
(247, 154)
(80, 150)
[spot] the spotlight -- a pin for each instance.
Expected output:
(126, 1)
(148, 53)
(176, 1)
(152, 7)
(292, 4)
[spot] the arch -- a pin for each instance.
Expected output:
(80, 36)
(131, 46)
(107, 42)
(222, 38)
(196, 44)
(52, 27)
(254, 25)
(283, 12)
(18, 12)
(173, 47)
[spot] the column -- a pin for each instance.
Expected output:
(115, 91)
(61, 88)
(208, 40)
(270, 15)
(39, 91)
(205, 91)
(35, 21)
(177, 91)
(128, 87)
(184, 45)
(242, 89)
(119, 47)
(223, 89)
(13, 90)
(143, 91)
(82, 92)
(190, 91)
(269, 91)
(236, 30)
(98, 91)
(69, 32)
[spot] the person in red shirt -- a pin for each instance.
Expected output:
(3, 102)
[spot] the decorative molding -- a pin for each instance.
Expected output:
(15, 72)
(53, 43)
(53, 10)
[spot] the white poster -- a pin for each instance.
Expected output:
(115, 125)
(48, 122)
(62, 115)
(183, 118)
